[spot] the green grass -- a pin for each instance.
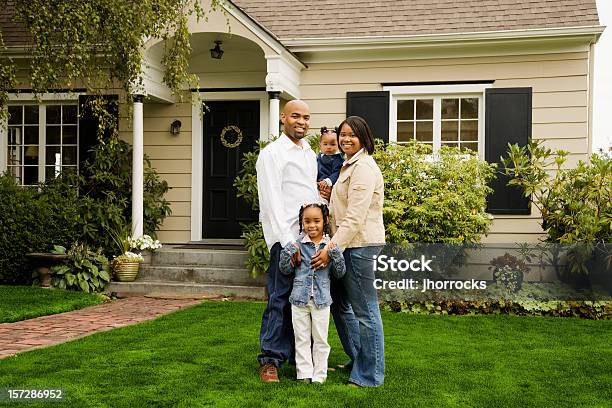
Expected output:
(25, 302)
(205, 356)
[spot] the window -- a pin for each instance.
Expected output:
(450, 115)
(41, 141)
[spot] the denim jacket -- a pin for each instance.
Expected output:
(309, 283)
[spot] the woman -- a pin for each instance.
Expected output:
(356, 206)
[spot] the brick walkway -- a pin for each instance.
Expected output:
(49, 330)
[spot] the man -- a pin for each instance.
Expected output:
(286, 179)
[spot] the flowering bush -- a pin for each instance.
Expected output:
(509, 272)
(128, 257)
(131, 248)
(143, 243)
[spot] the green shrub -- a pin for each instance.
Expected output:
(88, 208)
(105, 186)
(428, 200)
(32, 220)
(441, 201)
(576, 204)
(85, 270)
(252, 233)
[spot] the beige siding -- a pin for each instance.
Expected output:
(171, 157)
(560, 114)
(560, 101)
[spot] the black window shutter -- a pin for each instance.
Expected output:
(508, 120)
(374, 108)
(88, 124)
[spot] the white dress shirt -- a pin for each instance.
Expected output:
(286, 179)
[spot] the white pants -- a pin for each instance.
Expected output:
(311, 323)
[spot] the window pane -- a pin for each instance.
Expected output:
(31, 134)
(53, 156)
(69, 114)
(469, 108)
(405, 131)
(424, 131)
(69, 155)
(53, 135)
(16, 113)
(16, 173)
(14, 136)
(30, 175)
(405, 110)
(450, 130)
(14, 155)
(30, 156)
(470, 146)
(51, 172)
(69, 135)
(54, 114)
(469, 130)
(450, 108)
(424, 109)
(31, 114)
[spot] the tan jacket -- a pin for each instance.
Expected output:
(356, 204)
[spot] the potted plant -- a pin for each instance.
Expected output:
(127, 264)
(509, 271)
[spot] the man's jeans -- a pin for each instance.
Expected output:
(276, 334)
(357, 317)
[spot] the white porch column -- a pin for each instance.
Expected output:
(274, 113)
(137, 168)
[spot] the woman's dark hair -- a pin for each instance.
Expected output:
(361, 130)
(324, 211)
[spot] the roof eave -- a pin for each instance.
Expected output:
(336, 43)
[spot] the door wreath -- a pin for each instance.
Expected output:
(238, 140)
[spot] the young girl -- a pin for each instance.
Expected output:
(310, 298)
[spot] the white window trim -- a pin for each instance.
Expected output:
(438, 91)
(32, 99)
(197, 154)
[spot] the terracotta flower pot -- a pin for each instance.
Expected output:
(126, 271)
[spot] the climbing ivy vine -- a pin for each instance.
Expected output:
(98, 45)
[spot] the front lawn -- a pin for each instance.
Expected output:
(25, 302)
(205, 356)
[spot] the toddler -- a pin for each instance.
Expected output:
(310, 298)
(330, 160)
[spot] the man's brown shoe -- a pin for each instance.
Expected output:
(268, 373)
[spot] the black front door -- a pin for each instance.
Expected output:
(222, 211)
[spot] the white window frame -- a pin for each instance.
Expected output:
(437, 93)
(31, 99)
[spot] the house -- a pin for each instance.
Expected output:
(474, 74)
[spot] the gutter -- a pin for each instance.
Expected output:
(312, 44)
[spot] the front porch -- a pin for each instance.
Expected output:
(238, 96)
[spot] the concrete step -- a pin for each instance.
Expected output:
(215, 275)
(170, 289)
(209, 257)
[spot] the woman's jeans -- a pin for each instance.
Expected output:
(357, 317)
